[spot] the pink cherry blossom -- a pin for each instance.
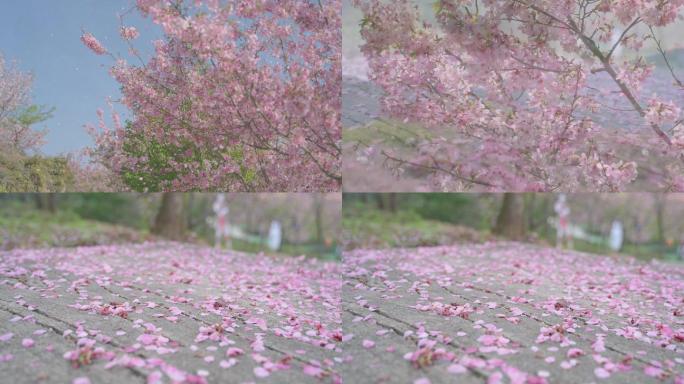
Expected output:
(232, 352)
(129, 33)
(261, 372)
(514, 93)
(456, 368)
(242, 96)
(313, 371)
(616, 320)
(227, 363)
(653, 371)
(112, 328)
(154, 378)
(15, 97)
(601, 373)
(574, 352)
(91, 42)
(599, 345)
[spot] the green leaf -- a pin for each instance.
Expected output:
(437, 6)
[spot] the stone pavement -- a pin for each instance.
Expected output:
(481, 313)
(167, 312)
(514, 313)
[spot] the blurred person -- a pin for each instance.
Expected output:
(616, 236)
(275, 235)
(563, 233)
(221, 226)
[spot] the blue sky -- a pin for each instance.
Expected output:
(43, 37)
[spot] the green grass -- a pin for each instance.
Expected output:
(372, 228)
(645, 252)
(380, 229)
(318, 251)
(22, 226)
(388, 132)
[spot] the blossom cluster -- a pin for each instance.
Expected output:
(239, 96)
(93, 44)
(520, 85)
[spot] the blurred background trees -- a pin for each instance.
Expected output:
(310, 222)
(17, 113)
(652, 222)
(22, 168)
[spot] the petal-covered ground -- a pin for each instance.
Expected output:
(167, 312)
(510, 313)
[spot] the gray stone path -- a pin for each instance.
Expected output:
(493, 312)
(513, 312)
(167, 312)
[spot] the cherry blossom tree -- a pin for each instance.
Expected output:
(515, 82)
(17, 113)
(239, 95)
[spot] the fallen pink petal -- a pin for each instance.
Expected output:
(110, 330)
(567, 324)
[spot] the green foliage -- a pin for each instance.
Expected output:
(50, 174)
(116, 208)
(456, 208)
(388, 132)
(318, 251)
(475, 211)
(369, 228)
(22, 225)
(644, 251)
(366, 22)
(34, 114)
(437, 7)
(156, 171)
(34, 174)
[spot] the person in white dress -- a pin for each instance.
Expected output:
(616, 236)
(563, 234)
(221, 226)
(275, 235)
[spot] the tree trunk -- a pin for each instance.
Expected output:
(392, 202)
(190, 223)
(40, 201)
(170, 221)
(46, 202)
(511, 220)
(659, 201)
(379, 200)
(318, 210)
